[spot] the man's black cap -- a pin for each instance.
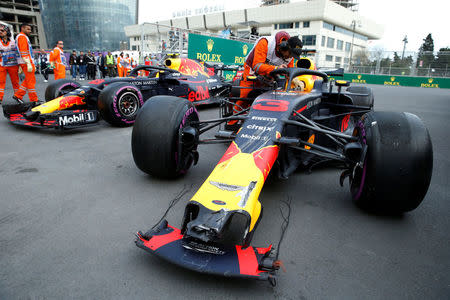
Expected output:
(296, 46)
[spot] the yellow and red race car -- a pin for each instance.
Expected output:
(387, 157)
(117, 100)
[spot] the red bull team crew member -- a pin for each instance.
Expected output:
(8, 61)
(268, 54)
(26, 63)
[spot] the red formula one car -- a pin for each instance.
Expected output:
(387, 157)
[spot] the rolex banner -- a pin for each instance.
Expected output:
(218, 50)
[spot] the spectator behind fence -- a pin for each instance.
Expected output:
(43, 62)
(81, 62)
(101, 63)
(73, 64)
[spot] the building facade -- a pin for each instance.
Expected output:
(16, 12)
(337, 32)
(88, 24)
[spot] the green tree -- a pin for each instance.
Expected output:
(426, 52)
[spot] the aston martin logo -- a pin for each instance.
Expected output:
(392, 78)
(430, 80)
(359, 76)
(244, 191)
(210, 44)
(244, 49)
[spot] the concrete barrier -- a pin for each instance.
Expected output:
(425, 82)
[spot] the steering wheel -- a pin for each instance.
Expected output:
(291, 73)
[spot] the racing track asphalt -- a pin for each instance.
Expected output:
(71, 203)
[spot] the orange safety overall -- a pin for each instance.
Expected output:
(28, 85)
(58, 58)
(255, 64)
(119, 66)
(8, 65)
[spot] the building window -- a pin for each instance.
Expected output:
(346, 60)
(133, 47)
(309, 40)
(338, 59)
(330, 42)
(323, 40)
(275, 26)
(340, 45)
(347, 47)
(306, 24)
(286, 25)
(328, 26)
(297, 24)
(329, 57)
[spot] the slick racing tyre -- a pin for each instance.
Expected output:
(164, 140)
(361, 100)
(119, 103)
(60, 87)
(396, 172)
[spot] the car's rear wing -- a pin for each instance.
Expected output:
(333, 72)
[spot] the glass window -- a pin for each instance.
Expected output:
(328, 26)
(323, 40)
(275, 26)
(309, 40)
(346, 60)
(306, 24)
(338, 59)
(286, 25)
(329, 57)
(340, 45)
(347, 47)
(330, 42)
(297, 24)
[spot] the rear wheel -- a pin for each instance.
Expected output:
(119, 103)
(59, 88)
(396, 172)
(366, 100)
(164, 140)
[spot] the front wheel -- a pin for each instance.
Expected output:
(165, 137)
(396, 171)
(59, 88)
(119, 103)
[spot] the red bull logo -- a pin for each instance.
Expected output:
(191, 67)
(69, 101)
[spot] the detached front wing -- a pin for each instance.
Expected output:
(69, 119)
(168, 243)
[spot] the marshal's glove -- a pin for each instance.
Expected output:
(297, 84)
(29, 64)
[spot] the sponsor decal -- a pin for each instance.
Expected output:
(226, 187)
(209, 57)
(96, 81)
(430, 84)
(311, 141)
(76, 119)
(211, 80)
(210, 45)
(203, 248)
(313, 103)
(359, 80)
(244, 50)
(260, 128)
(219, 202)
(144, 82)
(244, 191)
(69, 101)
(264, 119)
(392, 82)
(253, 137)
(202, 93)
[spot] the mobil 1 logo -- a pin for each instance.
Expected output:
(76, 119)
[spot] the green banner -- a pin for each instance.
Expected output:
(425, 82)
(218, 50)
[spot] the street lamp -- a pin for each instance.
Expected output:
(354, 22)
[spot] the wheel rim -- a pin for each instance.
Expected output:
(128, 104)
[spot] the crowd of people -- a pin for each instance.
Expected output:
(18, 61)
